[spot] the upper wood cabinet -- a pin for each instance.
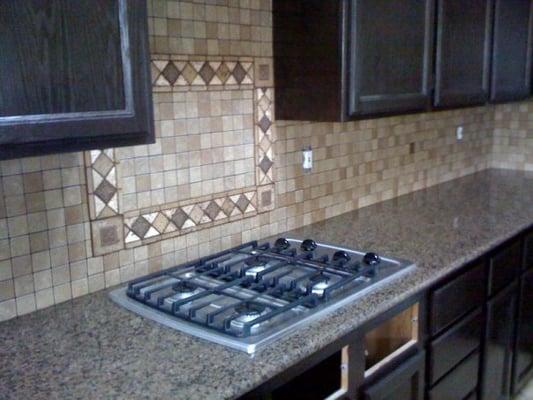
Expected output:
(339, 60)
(73, 75)
(390, 47)
(462, 56)
(511, 54)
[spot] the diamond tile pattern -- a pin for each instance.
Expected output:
(105, 191)
(170, 73)
(264, 135)
(174, 221)
(102, 183)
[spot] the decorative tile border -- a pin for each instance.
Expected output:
(185, 73)
(187, 217)
(102, 184)
(112, 231)
(264, 135)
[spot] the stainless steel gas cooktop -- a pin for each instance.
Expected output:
(251, 295)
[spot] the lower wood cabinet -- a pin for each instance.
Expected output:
(523, 361)
(405, 383)
(499, 345)
(460, 383)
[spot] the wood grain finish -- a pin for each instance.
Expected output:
(405, 383)
(499, 345)
(308, 56)
(92, 86)
(459, 383)
(60, 57)
(504, 267)
(457, 298)
(462, 52)
(511, 55)
(523, 359)
(386, 74)
(449, 349)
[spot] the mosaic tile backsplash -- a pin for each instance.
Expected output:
(222, 171)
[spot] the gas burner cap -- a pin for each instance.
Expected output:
(185, 290)
(247, 312)
(255, 266)
(322, 283)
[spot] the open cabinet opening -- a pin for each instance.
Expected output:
(391, 338)
(327, 380)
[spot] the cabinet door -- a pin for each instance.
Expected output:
(499, 345)
(405, 383)
(462, 53)
(523, 361)
(511, 67)
(391, 56)
(73, 75)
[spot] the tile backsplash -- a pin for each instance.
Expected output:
(222, 170)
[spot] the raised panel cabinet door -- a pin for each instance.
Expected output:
(406, 382)
(73, 75)
(511, 54)
(523, 361)
(462, 52)
(391, 52)
(499, 345)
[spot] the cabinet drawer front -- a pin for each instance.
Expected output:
(453, 346)
(457, 298)
(504, 267)
(528, 251)
(460, 382)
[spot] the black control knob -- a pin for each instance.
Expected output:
(371, 259)
(341, 256)
(308, 245)
(281, 244)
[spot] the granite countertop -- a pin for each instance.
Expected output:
(91, 348)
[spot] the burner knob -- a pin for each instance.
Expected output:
(308, 245)
(281, 244)
(371, 259)
(341, 256)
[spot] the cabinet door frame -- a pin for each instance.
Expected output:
(25, 135)
(509, 294)
(461, 100)
(495, 95)
(413, 367)
(386, 104)
(520, 378)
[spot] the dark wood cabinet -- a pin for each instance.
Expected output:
(504, 267)
(462, 52)
(405, 383)
(523, 361)
(73, 75)
(459, 383)
(456, 344)
(344, 59)
(511, 54)
(499, 345)
(457, 297)
(391, 53)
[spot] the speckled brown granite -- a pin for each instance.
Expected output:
(91, 348)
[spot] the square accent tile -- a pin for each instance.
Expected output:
(107, 235)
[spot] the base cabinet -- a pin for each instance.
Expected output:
(499, 345)
(523, 361)
(405, 383)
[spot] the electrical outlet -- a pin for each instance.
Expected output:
(307, 159)
(459, 133)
